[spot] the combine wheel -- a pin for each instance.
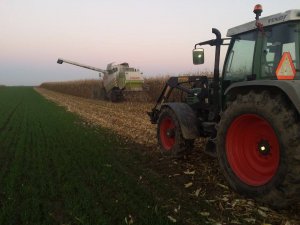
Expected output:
(103, 94)
(259, 148)
(116, 95)
(170, 139)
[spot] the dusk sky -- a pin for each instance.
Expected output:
(155, 36)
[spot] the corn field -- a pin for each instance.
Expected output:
(93, 89)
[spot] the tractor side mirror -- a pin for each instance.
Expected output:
(198, 56)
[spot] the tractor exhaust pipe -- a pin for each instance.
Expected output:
(218, 43)
(216, 81)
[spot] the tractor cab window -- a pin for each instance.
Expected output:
(239, 61)
(277, 40)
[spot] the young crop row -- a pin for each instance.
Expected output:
(55, 170)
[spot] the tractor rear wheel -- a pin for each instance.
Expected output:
(259, 148)
(170, 140)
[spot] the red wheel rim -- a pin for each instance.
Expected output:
(245, 152)
(166, 125)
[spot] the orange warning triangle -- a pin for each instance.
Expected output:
(286, 69)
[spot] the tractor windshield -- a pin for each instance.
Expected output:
(239, 60)
(277, 40)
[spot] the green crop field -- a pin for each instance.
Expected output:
(56, 170)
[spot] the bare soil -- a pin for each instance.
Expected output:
(197, 179)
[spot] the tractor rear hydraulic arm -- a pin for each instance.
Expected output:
(173, 82)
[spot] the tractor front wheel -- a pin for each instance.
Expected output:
(170, 140)
(259, 148)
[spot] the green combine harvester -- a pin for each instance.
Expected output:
(118, 79)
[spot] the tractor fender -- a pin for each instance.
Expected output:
(186, 117)
(291, 88)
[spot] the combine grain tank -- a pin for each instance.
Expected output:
(117, 78)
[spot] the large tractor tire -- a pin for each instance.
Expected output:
(259, 148)
(170, 140)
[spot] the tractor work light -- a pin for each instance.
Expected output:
(258, 10)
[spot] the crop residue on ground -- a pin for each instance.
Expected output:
(201, 190)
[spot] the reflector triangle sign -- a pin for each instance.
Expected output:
(286, 69)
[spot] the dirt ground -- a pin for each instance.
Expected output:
(196, 180)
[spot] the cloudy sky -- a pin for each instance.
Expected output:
(156, 36)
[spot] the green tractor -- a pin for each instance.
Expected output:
(250, 114)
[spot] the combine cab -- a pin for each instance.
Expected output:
(117, 79)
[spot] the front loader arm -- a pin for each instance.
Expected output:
(173, 82)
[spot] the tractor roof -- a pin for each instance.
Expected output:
(266, 21)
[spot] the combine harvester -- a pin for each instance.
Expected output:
(119, 81)
(250, 114)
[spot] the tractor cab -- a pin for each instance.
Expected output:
(265, 49)
(255, 53)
